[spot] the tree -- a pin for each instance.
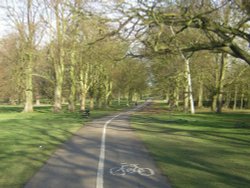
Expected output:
(219, 35)
(11, 76)
(26, 23)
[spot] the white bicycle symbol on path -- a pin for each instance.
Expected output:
(126, 169)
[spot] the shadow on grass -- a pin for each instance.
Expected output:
(203, 150)
(204, 120)
(197, 162)
(198, 127)
(9, 109)
(28, 139)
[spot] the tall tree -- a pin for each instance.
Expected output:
(26, 23)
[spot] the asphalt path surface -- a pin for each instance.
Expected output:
(105, 153)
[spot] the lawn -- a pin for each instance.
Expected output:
(205, 150)
(28, 140)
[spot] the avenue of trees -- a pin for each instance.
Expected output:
(192, 53)
(71, 65)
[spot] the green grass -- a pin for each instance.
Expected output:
(28, 140)
(195, 151)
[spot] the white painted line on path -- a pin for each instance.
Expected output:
(100, 170)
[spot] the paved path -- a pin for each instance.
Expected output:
(89, 159)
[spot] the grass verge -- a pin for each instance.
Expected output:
(196, 151)
(28, 140)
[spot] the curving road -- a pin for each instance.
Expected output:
(103, 154)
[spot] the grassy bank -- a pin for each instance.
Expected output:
(196, 151)
(28, 140)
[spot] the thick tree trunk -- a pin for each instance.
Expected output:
(59, 69)
(83, 101)
(58, 98)
(219, 103)
(214, 102)
(83, 95)
(84, 79)
(108, 91)
(220, 85)
(72, 96)
(58, 58)
(28, 107)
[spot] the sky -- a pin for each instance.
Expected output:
(5, 23)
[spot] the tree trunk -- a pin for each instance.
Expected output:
(83, 101)
(176, 96)
(248, 102)
(91, 102)
(72, 96)
(216, 90)
(130, 95)
(219, 103)
(235, 97)
(228, 100)
(200, 92)
(38, 102)
(119, 98)
(167, 98)
(83, 95)
(58, 58)
(242, 101)
(220, 85)
(28, 107)
(188, 76)
(99, 101)
(108, 91)
(58, 98)
(84, 79)
(189, 82)
(59, 69)
(214, 102)
(186, 99)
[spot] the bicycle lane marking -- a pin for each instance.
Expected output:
(100, 170)
(126, 169)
